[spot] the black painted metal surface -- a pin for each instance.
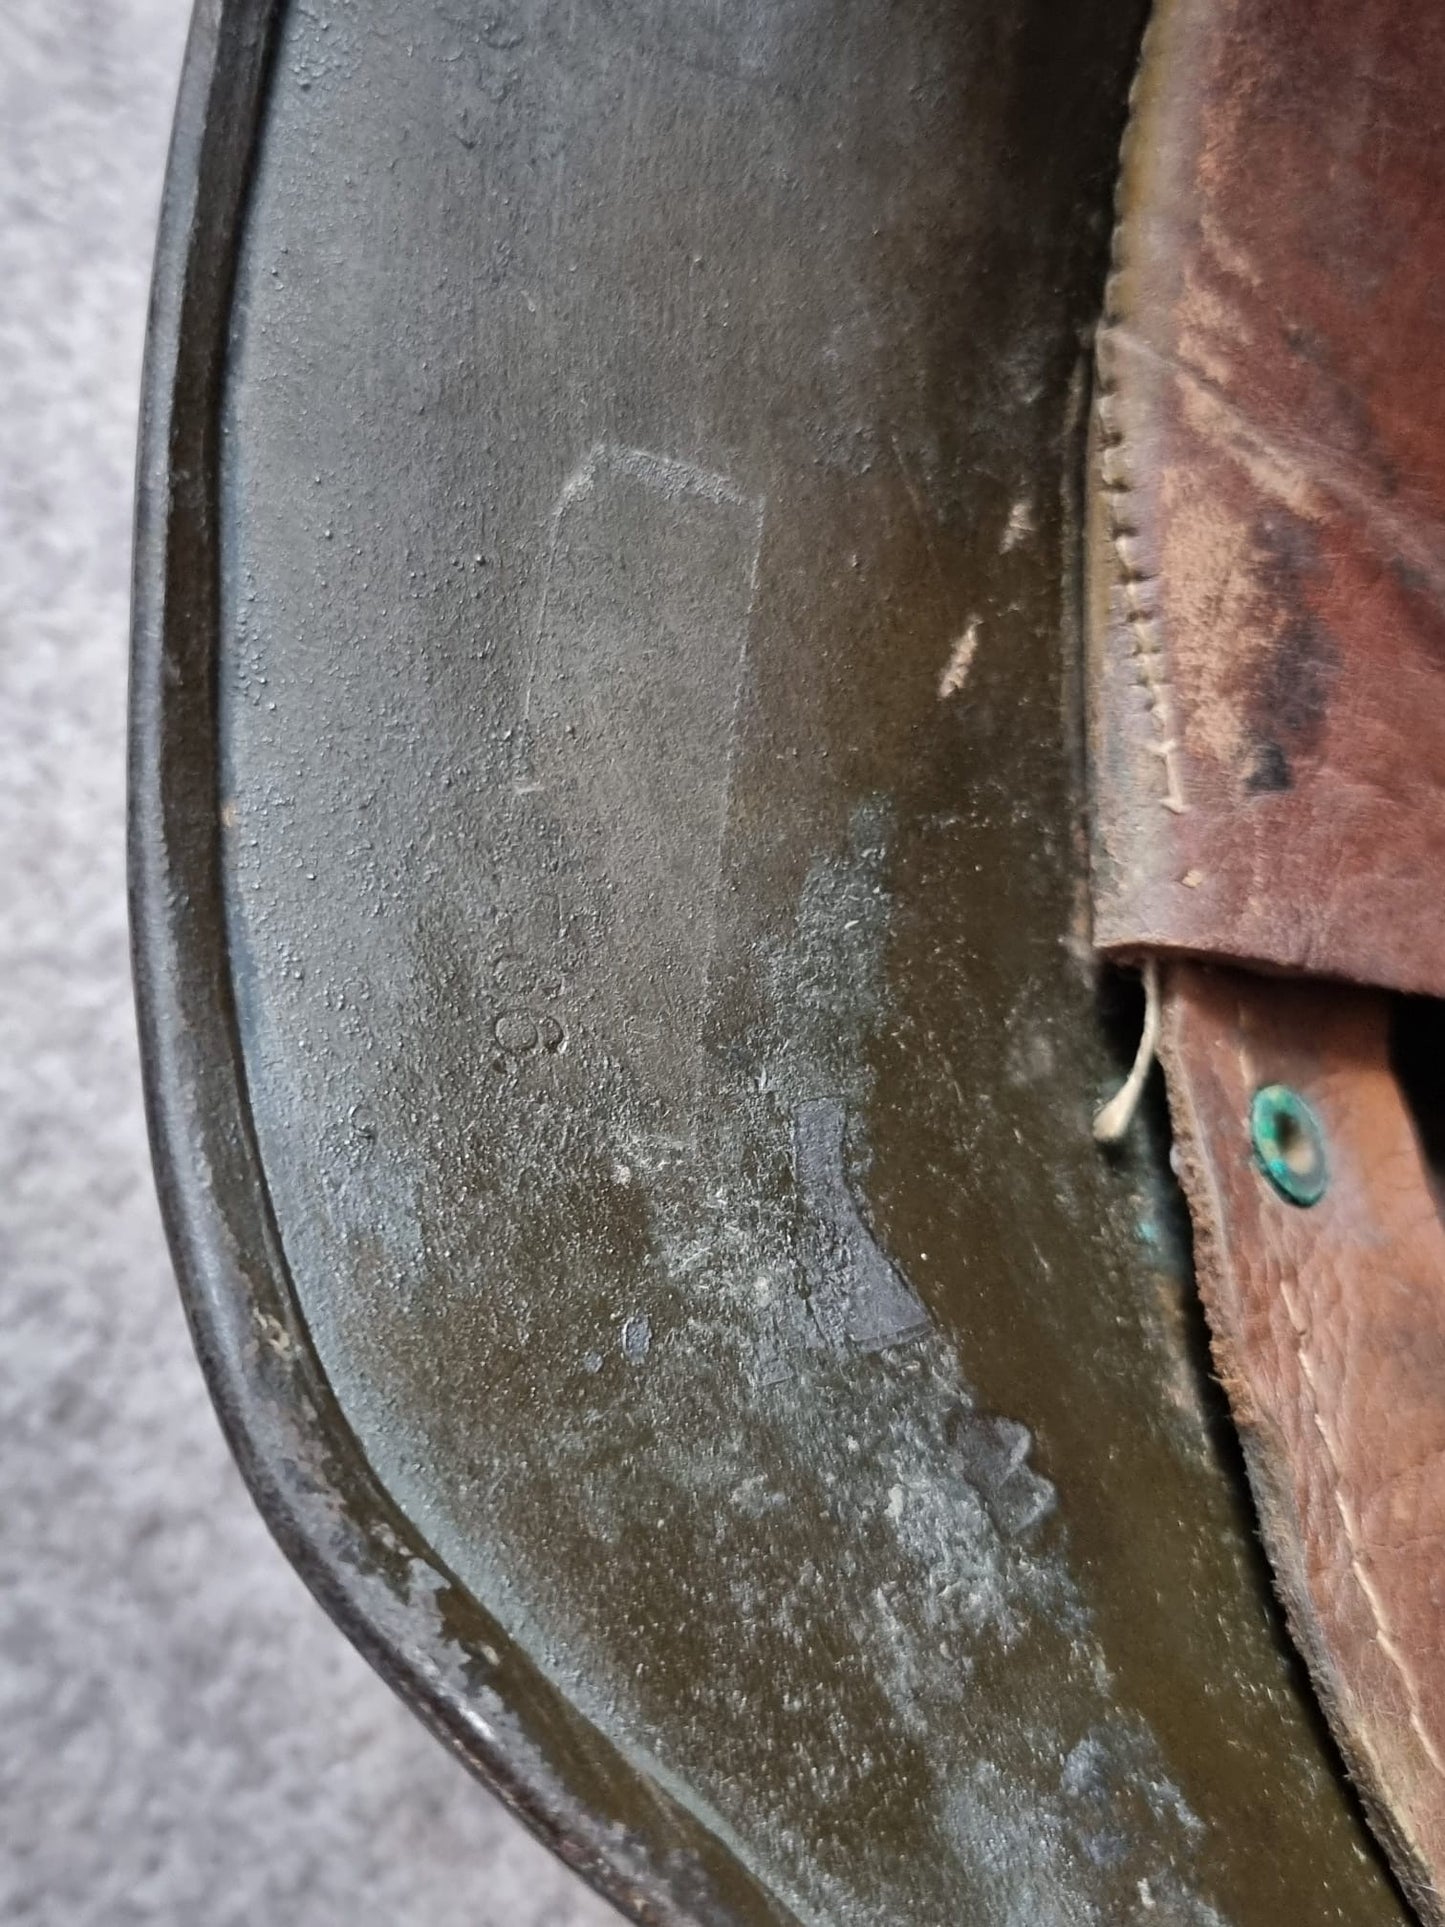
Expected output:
(619, 1036)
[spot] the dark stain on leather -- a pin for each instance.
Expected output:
(1269, 771)
(1289, 701)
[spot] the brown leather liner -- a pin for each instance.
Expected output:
(1329, 1334)
(1267, 685)
(1269, 540)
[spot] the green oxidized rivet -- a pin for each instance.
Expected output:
(1289, 1144)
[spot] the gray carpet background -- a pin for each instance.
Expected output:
(184, 1740)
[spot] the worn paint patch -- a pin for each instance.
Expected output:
(627, 728)
(859, 1296)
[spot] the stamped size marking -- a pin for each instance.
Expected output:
(525, 1026)
(523, 1033)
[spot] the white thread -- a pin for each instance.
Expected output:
(1111, 1123)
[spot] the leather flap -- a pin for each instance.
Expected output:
(1268, 554)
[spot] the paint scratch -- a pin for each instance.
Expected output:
(960, 662)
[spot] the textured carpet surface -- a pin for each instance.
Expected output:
(183, 1738)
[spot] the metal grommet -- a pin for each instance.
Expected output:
(1289, 1144)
